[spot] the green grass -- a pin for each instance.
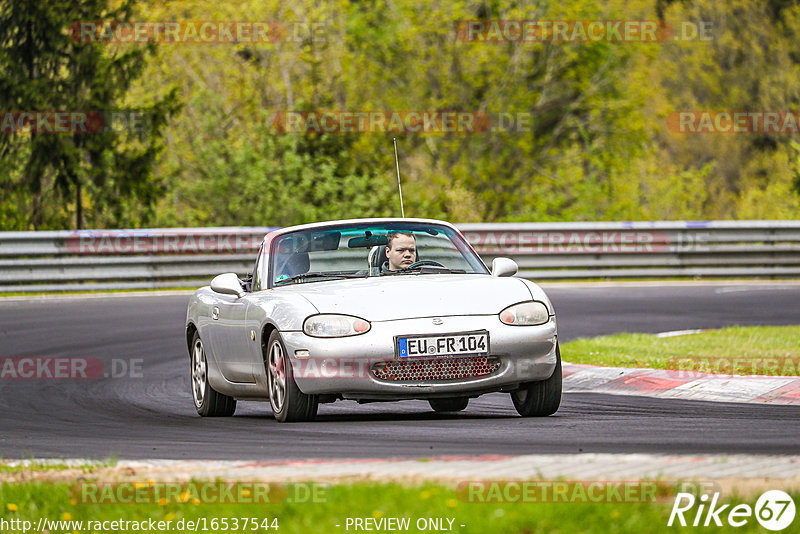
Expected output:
(32, 500)
(763, 350)
(35, 467)
(39, 466)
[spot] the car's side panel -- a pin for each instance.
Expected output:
(229, 338)
(198, 313)
(235, 360)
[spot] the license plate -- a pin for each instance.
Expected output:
(476, 343)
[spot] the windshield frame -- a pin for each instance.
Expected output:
(458, 240)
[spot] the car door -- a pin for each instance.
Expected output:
(229, 338)
(254, 317)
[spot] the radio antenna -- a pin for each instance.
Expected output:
(399, 187)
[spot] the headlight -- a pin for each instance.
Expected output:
(525, 314)
(335, 326)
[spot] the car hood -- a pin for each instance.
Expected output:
(410, 296)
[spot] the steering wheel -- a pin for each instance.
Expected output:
(422, 263)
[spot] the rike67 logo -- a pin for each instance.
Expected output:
(774, 510)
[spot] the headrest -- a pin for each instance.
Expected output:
(292, 264)
(377, 256)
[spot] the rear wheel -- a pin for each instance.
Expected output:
(288, 403)
(454, 404)
(208, 401)
(542, 398)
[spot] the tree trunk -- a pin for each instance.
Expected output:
(78, 207)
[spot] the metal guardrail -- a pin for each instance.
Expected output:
(172, 257)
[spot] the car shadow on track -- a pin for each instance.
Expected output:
(493, 407)
(383, 417)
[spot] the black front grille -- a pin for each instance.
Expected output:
(436, 369)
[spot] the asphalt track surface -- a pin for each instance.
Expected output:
(152, 415)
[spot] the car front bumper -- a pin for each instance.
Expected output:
(345, 365)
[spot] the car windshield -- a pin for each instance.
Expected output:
(359, 251)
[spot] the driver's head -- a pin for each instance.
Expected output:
(401, 250)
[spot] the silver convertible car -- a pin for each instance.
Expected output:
(371, 310)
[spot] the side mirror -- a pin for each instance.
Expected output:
(227, 284)
(504, 267)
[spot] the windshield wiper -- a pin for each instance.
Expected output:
(331, 274)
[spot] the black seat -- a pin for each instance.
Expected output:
(377, 256)
(292, 264)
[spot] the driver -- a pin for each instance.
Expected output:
(401, 251)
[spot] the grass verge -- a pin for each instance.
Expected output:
(738, 350)
(328, 509)
(32, 466)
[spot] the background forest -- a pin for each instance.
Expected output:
(597, 145)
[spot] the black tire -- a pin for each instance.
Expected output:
(542, 398)
(208, 401)
(288, 403)
(452, 404)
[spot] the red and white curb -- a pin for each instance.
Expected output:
(585, 466)
(689, 385)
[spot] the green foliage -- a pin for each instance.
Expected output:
(42, 68)
(795, 157)
(278, 181)
(751, 63)
(589, 140)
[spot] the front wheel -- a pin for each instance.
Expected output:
(208, 401)
(542, 398)
(455, 404)
(288, 403)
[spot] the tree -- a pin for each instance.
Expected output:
(596, 145)
(751, 64)
(107, 168)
